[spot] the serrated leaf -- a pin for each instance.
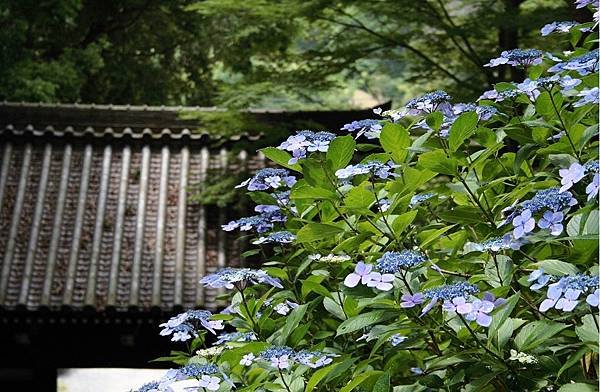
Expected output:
(280, 157)
(316, 232)
(438, 162)
(359, 197)
(535, 333)
(340, 152)
(462, 128)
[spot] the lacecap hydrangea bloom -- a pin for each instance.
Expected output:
(447, 293)
(429, 103)
(260, 223)
(517, 57)
(278, 237)
(283, 357)
(393, 262)
(235, 337)
(584, 64)
(305, 142)
(564, 294)
(372, 168)
(239, 278)
(269, 178)
(370, 128)
(184, 326)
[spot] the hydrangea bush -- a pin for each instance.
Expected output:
(441, 246)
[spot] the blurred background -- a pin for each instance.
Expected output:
(124, 125)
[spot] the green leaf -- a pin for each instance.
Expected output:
(359, 197)
(395, 139)
(363, 320)
(435, 120)
(588, 332)
(292, 321)
(280, 157)
(578, 387)
(327, 373)
(536, 333)
(572, 360)
(334, 308)
(383, 383)
(438, 162)
(401, 222)
(462, 129)
(500, 317)
(317, 232)
(557, 267)
(340, 152)
(359, 379)
(305, 191)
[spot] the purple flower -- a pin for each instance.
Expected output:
(571, 176)
(410, 301)
(540, 278)
(553, 221)
(480, 312)
(396, 339)
(594, 298)
(268, 178)
(370, 128)
(584, 64)
(592, 189)
(585, 3)
(209, 382)
(428, 307)
(523, 224)
(360, 274)
(281, 362)
(487, 296)
(458, 305)
(517, 57)
(560, 27)
(380, 281)
(589, 96)
(429, 103)
(239, 278)
(278, 237)
(568, 301)
(306, 141)
(373, 168)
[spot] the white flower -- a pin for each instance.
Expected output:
(247, 359)
(209, 382)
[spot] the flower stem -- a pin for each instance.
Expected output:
(245, 303)
(287, 387)
(563, 125)
(497, 269)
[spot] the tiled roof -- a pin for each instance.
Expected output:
(108, 223)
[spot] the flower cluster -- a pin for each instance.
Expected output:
(363, 273)
(558, 27)
(393, 262)
(278, 237)
(517, 58)
(260, 223)
(499, 96)
(372, 168)
(282, 357)
(204, 373)
(268, 178)
(584, 64)
(447, 293)
(304, 142)
(155, 386)
(493, 245)
(588, 96)
(420, 198)
(429, 103)
(564, 294)
(531, 88)
(330, 258)
(235, 337)
(370, 128)
(522, 357)
(184, 325)
(239, 278)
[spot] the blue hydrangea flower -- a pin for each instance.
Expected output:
(260, 223)
(588, 96)
(523, 224)
(278, 237)
(196, 370)
(282, 356)
(268, 178)
(592, 189)
(559, 27)
(594, 298)
(306, 141)
(235, 337)
(360, 274)
(531, 88)
(184, 325)
(493, 245)
(239, 278)
(370, 128)
(517, 57)
(313, 359)
(551, 199)
(393, 262)
(564, 294)
(571, 176)
(540, 278)
(383, 282)
(396, 339)
(480, 312)
(429, 103)
(384, 205)
(585, 3)
(420, 198)
(499, 96)
(411, 300)
(155, 386)
(447, 293)
(373, 168)
(584, 64)
(484, 112)
(552, 221)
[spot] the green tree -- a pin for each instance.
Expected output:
(121, 51)
(279, 48)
